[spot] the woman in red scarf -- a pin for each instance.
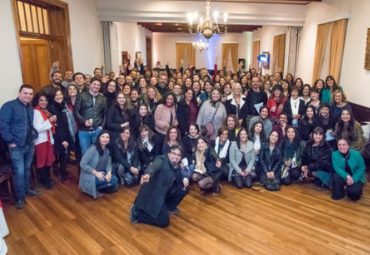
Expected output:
(44, 123)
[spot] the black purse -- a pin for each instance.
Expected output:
(272, 184)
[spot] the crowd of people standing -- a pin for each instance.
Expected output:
(125, 127)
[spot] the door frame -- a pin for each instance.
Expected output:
(51, 4)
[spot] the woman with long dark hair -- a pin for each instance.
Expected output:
(190, 141)
(232, 124)
(270, 159)
(187, 110)
(316, 160)
(110, 92)
(276, 103)
(325, 120)
(348, 128)
(165, 114)
(126, 155)
(242, 159)
(142, 116)
(96, 168)
(307, 123)
(44, 123)
(292, 150)
(65, 131)
(149, 146)
(330, 86)
(118, 116)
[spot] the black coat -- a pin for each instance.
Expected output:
(163, 177)
(62, 132)
(255, 98)
(137, 121)
(224, 160)
(270, 162)
(114, 121)
(305, 129)
(288, 109)
(319, 159)
(182, 114)
(232, 108)
(120, 154)
(145, 156)
(189, 144)
(210, 164)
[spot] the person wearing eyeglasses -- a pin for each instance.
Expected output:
(163, 188)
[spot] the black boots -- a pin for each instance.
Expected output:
(45, 179)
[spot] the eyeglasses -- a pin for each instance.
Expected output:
(176, 154)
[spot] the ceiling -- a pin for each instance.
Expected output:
(300, 2)
(184, 27)
(171, 15)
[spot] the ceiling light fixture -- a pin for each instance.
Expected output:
(200, 45)
(206, 26)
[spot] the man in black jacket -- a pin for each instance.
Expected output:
(89, 110)
(162, 190)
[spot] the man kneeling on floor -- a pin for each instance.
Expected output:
(163, 187)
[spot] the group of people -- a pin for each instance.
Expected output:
(167, 130)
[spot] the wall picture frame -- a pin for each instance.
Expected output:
(367, 53)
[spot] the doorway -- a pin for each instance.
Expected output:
(35, 62)
(149, 52)
(43, 38)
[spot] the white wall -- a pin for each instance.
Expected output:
(86, 41)
(86, 35)
(266, 36)
(131, 38)
(10, 64)
(164, 48)
(354, 78)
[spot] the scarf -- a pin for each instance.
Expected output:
(295, 106)
(146, 144)
(71, 122)
(46, 115)
(223, 152)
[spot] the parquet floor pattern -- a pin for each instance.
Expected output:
(296, 220)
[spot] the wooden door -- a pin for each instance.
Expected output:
(35, 63)
(149, 52)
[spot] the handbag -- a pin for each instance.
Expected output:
(130, 179)
(272, 184)
(208, 129)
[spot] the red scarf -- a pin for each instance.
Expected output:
(46, 115)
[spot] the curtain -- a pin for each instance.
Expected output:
(106, 25)
(230, 55)
(186, 52)
(278, 53)
(255, 54)
(338, 35)
(321, 41)
(294, 37)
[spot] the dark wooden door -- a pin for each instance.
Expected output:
(149, 52)
(35, 63)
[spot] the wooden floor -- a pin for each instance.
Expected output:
(297, 220)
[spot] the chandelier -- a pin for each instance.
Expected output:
(200, 45)
(206, 26)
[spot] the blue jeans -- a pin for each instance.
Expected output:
(87, 138)
(111, 186)
(21, 161)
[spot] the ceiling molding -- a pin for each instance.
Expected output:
(294, 2)
(344, 15)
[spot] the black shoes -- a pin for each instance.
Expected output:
(33, 192)
(133, 216)
(19, 204)
(175, 211)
